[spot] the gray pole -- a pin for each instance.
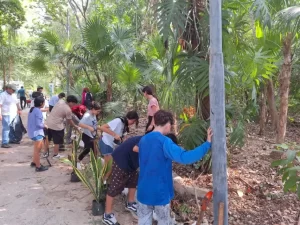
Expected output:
(217, 113)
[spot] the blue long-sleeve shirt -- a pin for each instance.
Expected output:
(156, 153)
(35, 124)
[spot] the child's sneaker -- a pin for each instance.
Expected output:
(58, 156)
(41, 168)
(132, 207)
(110, 219)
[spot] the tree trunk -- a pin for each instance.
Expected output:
(4, 76)
(272, 104)
(263, 110)
(284, 82)
(109, 89)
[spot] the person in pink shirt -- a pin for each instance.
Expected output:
(153, 107)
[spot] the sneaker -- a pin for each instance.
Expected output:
(110, 219)
(132, 207)
(5, 146)
(14, 142)
(58, 156)
(32, 164)
(45, 155)
(41, 168)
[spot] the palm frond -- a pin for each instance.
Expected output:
(289, 19)
(38, 66)
(261, 10)
(128, 74)
(172, 14)
(96, 35)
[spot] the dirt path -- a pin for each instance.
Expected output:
(47, 198)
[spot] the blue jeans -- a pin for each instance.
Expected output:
(5, 129)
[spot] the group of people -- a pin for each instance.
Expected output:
(151, 153)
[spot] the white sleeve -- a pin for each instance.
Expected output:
(84, 119)
(46, 104)
(114, 124)
(1, 99)
(15, 99)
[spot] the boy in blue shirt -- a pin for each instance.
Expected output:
(155, 184)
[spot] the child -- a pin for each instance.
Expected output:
(113, 133)
(89, 124)
(152, 108)
(36, 132)
(156, 153)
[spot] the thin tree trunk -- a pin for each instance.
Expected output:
(4, 76)
(263, 110)
(284, 82)
(272, 104)
(109, 89)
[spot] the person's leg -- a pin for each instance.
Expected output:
(107, 160)
(5, 130)
(145, 214)
(58, 139)
(106, 151)
(88, 145)
(163, 214)
(118, 181)
(36, 152)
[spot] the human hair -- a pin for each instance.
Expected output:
(38, 102)
(39, 88)
(21, 86)
(86, 89)
(95, 106)
(172, 137)
(148, 90)
(133, 115)
(72, 98)
(62, 95)
(162, 117)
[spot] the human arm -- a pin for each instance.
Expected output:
(108, 128)
(177, 154)
(84, 126)
(135, 148)
(40, 120)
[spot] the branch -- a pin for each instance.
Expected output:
(78, 7)
(75, 12)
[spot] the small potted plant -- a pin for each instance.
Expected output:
(76, 138)
(93, 180)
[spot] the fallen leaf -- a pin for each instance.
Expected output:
(240, 193)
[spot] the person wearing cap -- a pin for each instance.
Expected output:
(9, 108)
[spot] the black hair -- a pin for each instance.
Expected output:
(62, 95)
(95, 106)
(38, 102)
(72, 98)
(21, 86)
(38, 88)
(148, 90)
(173, 138)
(162, 117)
(133, 115)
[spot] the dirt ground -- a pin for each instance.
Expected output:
(255, 189)
(46, 198)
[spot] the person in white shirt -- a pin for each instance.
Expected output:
(54, 99)
(9, 108)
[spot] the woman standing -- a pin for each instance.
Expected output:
(153, 107)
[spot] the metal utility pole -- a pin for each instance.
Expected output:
(217, 115)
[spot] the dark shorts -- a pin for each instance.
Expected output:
(120, 179)
(57, 136)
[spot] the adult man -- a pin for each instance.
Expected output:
(22, 95)
(9, 107)
(55, 122)
(54, 99)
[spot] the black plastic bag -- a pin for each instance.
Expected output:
(16, 130)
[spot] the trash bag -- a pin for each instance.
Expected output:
(16, 130)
